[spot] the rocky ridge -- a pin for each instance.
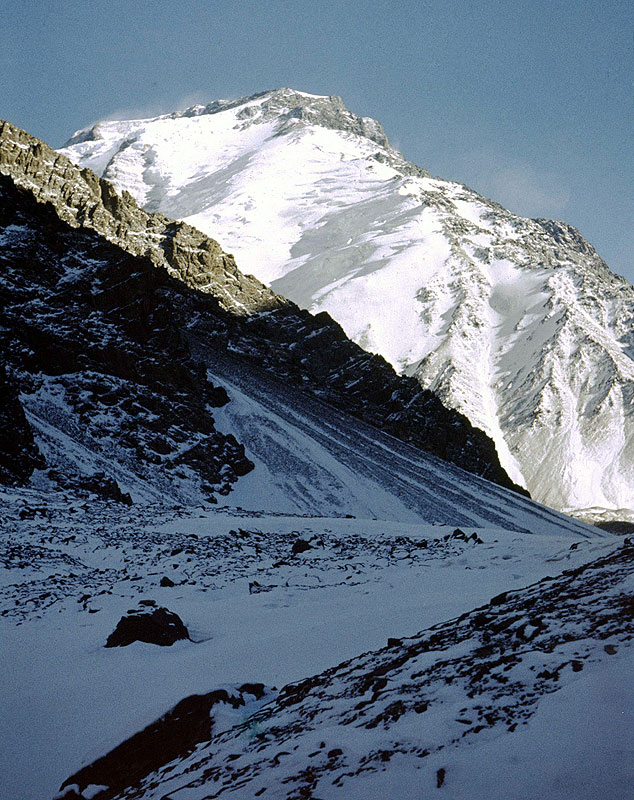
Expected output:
(171, 292)
(83, 200)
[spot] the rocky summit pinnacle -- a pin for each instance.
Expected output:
(516, 323)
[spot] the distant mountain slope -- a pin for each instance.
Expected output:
(516, 323)
(112, 316)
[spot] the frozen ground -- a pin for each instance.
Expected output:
(71, 569)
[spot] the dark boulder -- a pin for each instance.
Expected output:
(172, 736)
(301, 546)
(158, 626)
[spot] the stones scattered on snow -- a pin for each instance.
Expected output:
(301, 546)
(31, 513)
(257, 588)
(137, 548)
(159, 626)
(165, 581)
(497, 681)
(460, 535)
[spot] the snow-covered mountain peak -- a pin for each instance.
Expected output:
(287, 107)
(517, 323)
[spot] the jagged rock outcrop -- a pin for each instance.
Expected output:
(19, 455)
(516, 323)
(180, 294)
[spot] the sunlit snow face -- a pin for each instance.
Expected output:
(513, 322)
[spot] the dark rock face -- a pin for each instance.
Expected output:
(159, 626)
(91, 333)
(95, 284)
(174, 735)
(19, 455)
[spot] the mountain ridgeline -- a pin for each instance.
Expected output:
(112, 316)
(516, 323)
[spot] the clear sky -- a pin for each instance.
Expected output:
(527, 101)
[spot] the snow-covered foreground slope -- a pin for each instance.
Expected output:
(515, 322)
(426, 711)
(255, 611)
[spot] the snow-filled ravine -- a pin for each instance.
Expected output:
(259, 609)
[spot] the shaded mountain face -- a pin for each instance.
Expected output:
(104, 372)
(19, 455)
(112, 316)
(516, 323)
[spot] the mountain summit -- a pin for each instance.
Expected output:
(517, 323)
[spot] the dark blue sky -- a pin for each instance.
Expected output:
(528, 102)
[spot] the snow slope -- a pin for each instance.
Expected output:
(386, 559)
(70, 568)
(424, 712)
(517, 323)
